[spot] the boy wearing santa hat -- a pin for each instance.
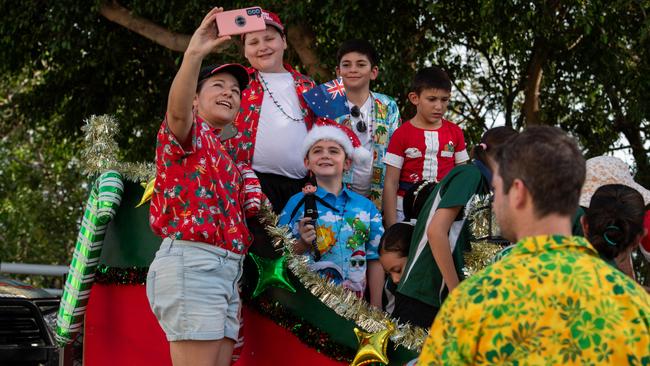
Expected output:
(346, 223)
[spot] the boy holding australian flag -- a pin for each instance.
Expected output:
(372, 116)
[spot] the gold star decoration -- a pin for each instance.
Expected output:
(372, 346)
(148, 191)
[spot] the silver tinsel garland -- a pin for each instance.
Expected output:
(342, 301)
(100, 152)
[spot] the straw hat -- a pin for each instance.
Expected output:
(603, 170)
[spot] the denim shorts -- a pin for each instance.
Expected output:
(192, 290)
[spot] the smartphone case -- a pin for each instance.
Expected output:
(240, 21)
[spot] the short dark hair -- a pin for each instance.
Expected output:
(430, 78)
(615, 217)
(358, 45)
(551, 166)
(397, 239)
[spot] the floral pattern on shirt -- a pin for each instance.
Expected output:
(387, 120)
(549, 301)
(198, 194)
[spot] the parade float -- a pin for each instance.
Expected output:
(291, 315)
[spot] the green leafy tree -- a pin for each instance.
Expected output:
(581, 65)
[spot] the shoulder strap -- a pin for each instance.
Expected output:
(302, 203)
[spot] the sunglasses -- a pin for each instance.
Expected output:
(357, 262)
(356, 113)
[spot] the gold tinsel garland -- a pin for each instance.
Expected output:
(486, 239)
(100, 151)
(343, 302)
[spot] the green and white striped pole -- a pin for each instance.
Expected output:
(103, 202)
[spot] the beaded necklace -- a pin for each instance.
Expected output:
(277, 104)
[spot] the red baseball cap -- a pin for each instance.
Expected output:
(272, 19)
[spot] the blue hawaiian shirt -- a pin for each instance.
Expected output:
(347, 237)
(387, 120)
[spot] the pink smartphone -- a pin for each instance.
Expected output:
(240, 21)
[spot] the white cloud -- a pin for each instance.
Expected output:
(329, 217)
(364, 216)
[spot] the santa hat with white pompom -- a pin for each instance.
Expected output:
(327, 129)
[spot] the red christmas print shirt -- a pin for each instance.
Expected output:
(198, 194)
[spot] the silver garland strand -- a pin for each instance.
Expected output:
(101, 151)
(343, 302)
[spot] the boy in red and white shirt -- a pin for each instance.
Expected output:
(426, 147)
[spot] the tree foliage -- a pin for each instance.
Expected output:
(582, 65)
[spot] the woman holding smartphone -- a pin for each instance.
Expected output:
(274, 118)
(197, 208)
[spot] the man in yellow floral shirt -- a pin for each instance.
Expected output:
(551, 300)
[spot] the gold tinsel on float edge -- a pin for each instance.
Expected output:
(343, 302)
(486, 242)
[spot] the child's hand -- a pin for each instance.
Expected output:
(205, 39)
(307, 231)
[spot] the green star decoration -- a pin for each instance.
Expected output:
(271, 272)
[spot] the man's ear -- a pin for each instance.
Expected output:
(519, 194)
(414, 98)
(338, 71)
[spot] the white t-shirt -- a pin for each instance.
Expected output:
(279, 139)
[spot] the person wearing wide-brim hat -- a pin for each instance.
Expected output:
(603, 170)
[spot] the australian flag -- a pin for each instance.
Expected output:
(328, 100)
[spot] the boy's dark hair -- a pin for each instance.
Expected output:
(358, 45)
(397, 239)
(415, 198)
(491, 141)
(615, 217)
(430, 78)
(551, 166)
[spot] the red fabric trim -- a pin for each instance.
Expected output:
(120, 329)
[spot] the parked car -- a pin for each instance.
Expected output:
(27, 324)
